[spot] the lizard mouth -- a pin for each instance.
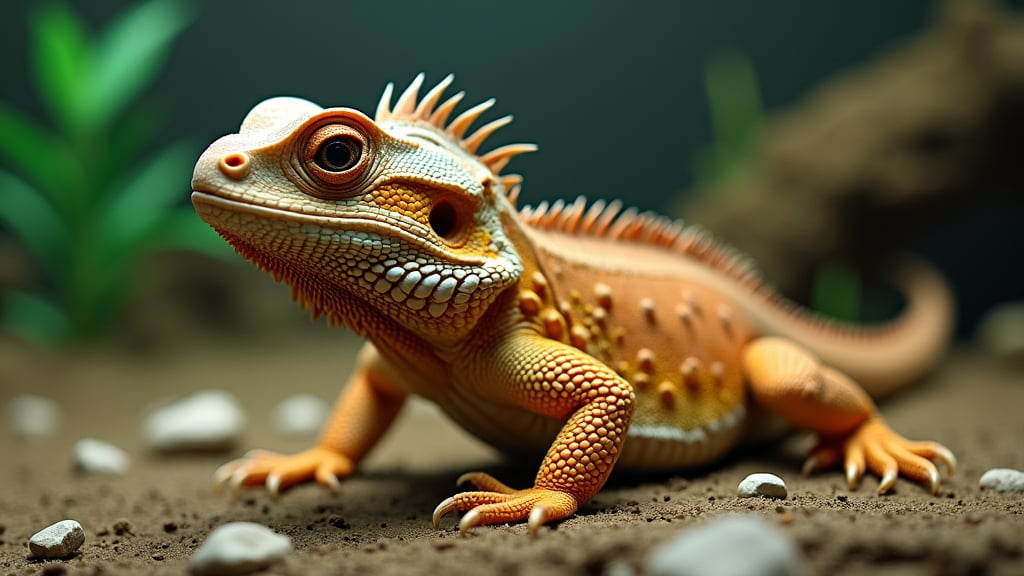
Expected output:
(211, 206)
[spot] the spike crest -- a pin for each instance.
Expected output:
(411, 108)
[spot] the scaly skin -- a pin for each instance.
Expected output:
(564, 328)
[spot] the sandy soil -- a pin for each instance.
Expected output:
(152, 519)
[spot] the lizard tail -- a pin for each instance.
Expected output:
(885, 358)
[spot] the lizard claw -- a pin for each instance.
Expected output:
(278, 472)
(443, 508)
(495, 503)
(875, 447)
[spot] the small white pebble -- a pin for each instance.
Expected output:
(1003, 480)
(209, 420)
(99, 457)
(300, 415)
(729, 546)
(57, 540)
(767, 485)
(33, 416)
(239, 548)
(1000, 331)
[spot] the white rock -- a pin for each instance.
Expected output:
(99, 457)
(57, 540)
(1000, 331)
(729, 546)
(300, 415)
(33, 416)
(1003, 480)
(239, 548)
(207, 420)
(762, 484)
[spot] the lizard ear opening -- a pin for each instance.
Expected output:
(444, 220)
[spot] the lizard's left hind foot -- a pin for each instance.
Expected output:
(875, 447)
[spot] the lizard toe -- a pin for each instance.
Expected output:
(535, 506)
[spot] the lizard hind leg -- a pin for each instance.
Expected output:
(792, 382)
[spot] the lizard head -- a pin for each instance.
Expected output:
(391, 219)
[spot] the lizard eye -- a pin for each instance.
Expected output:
(338, 154)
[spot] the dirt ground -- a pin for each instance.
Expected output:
(152, 519)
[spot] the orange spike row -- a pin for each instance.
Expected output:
(498, 158)
(384, 105)
(440, 115)
(410, 107)
(457, 128)
(431, 98)
(473, 141)
(406, 104)
(513, 194)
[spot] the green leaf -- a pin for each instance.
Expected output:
(37, 154)
(140, 207)
(183, 230)
(35, 223)
(130, 54)
(62, 64)
(33, 318)
(736, 116)
(837, 291)
(735, 100)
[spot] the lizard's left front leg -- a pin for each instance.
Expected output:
(550, 378)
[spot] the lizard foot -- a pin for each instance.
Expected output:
(875, 447)
(495, 503)
(281, 471)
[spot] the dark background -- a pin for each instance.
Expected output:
(613, 94)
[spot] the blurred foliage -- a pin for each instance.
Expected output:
(736, 118)
(837, 291)
(79, 197)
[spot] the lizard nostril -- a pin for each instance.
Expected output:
(235, 166)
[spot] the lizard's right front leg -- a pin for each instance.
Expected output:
(551, 378)
(363, 412)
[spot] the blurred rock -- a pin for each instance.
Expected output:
(33, 416)
(99, 457)
(881, 154)
(1000, 332)
(209, 420)
(729, 546)
(1003, 480)
(239, 548)
(300, 415)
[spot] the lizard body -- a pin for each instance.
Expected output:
(559, 330)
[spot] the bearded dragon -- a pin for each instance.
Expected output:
(583, 332)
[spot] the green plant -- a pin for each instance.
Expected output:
(82, 198)
(736, 118)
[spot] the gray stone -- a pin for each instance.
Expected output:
(57, 540)
(99, 457)
(209, 420)
(762, 484)
(729, 546)
(1003, 480)
(239, 548)
(300, 415)
(33, 416)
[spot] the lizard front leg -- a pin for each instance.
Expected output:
(550, 378)
(792, 382)
(364, 411)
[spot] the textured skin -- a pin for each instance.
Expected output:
(559, 330)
